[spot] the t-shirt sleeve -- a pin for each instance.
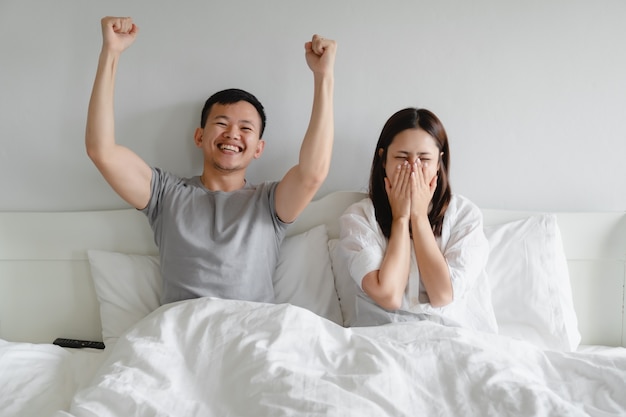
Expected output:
(159, 181)
(361, 241)
(271, 192)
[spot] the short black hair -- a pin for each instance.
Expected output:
(231, 96)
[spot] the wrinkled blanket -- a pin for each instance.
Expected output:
(210, 357)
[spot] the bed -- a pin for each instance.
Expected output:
(557, 287)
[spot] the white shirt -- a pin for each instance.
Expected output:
(464, 246)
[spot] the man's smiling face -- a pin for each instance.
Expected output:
(230, 139)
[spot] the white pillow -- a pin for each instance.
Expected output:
(345, 285)
(304, 276)
(128, 287)
(530, 286)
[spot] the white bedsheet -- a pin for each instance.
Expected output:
(40, 379)
(209, 357)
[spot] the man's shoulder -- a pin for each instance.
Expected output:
(265, 189)
(168, 178)
(264, 185)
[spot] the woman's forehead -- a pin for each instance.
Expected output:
(414, 140)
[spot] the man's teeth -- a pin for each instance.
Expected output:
(229, 148)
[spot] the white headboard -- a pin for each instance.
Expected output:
(46, 289)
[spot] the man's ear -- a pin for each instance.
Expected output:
(259, 148)
(197, 136)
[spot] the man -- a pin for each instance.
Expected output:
(217, 234)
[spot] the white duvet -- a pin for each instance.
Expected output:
(38, 379)
(210, 357)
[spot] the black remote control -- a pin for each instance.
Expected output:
(74, 343)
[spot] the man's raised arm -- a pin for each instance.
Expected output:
(299, 185)
(127, 174)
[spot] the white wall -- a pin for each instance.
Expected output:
(533, 93)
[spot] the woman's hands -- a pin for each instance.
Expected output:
(399, 191)
(410, 191)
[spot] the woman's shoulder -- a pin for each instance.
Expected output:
(462, 201)
(360, 214)
(362, 207)
(462, 207)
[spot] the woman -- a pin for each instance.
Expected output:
(415, 249)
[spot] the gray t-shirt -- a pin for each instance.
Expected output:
(214, 243)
